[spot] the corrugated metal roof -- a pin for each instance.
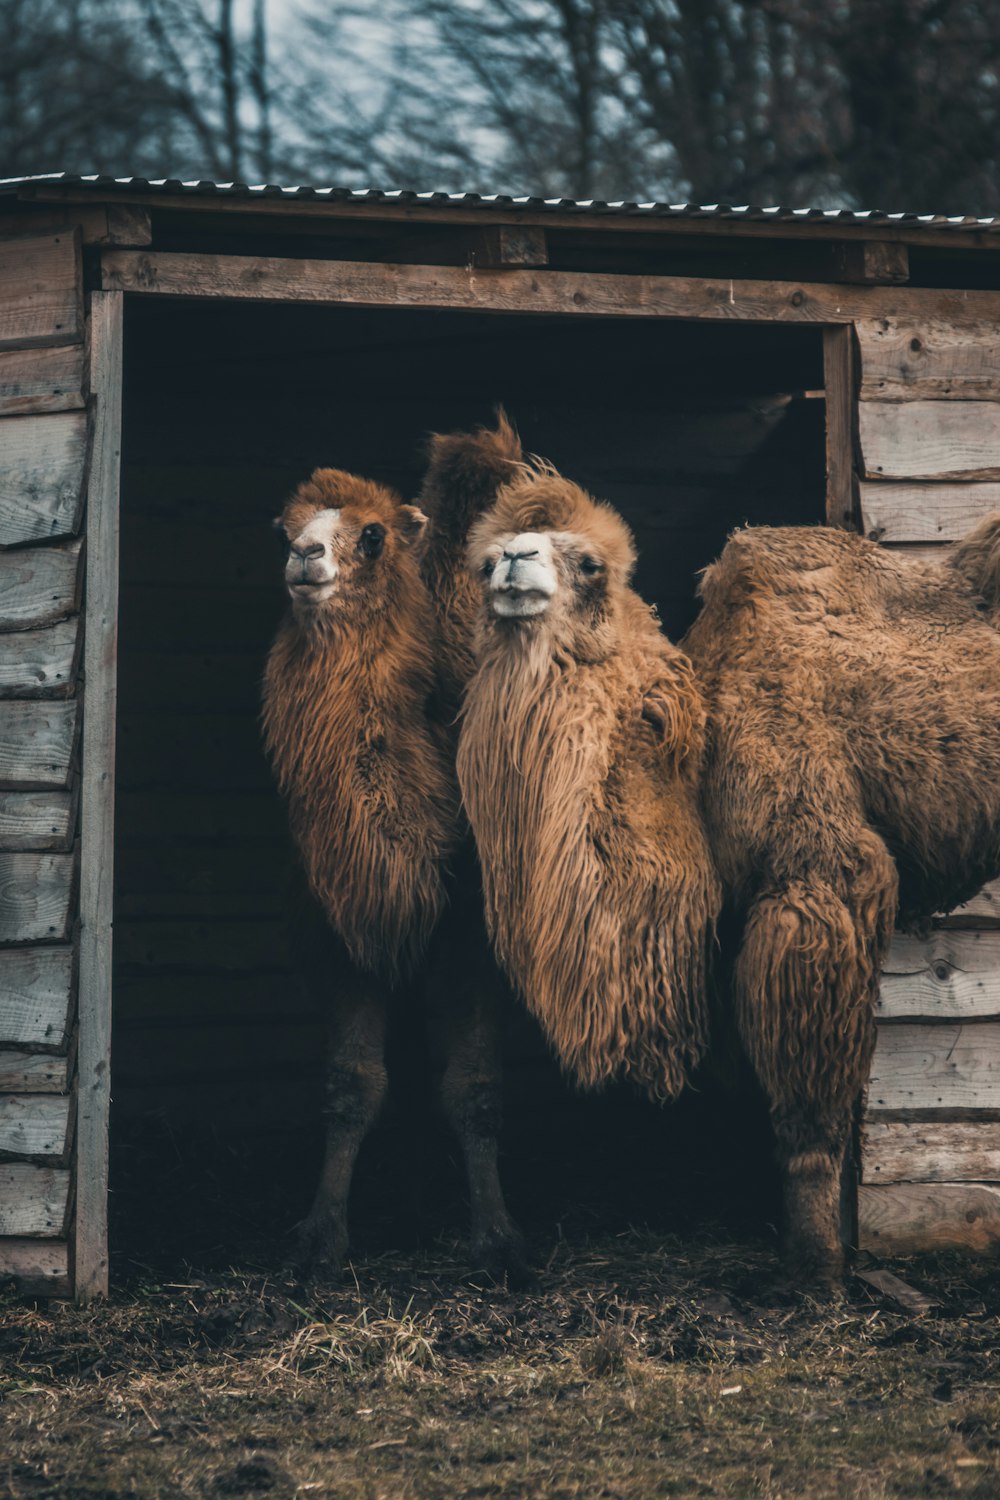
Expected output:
(171, 186)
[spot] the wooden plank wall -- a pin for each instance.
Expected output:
(43, 459)
(929, 459)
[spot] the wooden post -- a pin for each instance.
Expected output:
(97, 788)
(838, 380)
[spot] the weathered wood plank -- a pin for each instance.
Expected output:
(36, 986)
(33, 1073)
(884, 261)
(37, 740)
(921, 1067)
(38, 585)
(925, 512)
(42, 461)
(367, 284)
(38, 1268)
(930, 439)
(34, 1125)
(41, 380)
(97, 800)
(39, 663)
(35, 897)
(41, 291)
(929, 358)
(930, 1151)
(838, 357)
(953, 973)
(33, 1200)
(36, 820)
(983, 910)
(912, 1218)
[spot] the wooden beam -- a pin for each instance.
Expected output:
(921, 1067)
(930, 1151)
(36, 820)
(905, 359)
(982, 911)
(36, 986)
(33, 1073)
(913, 1218)
(950, 975)
(886, 262)
(38, 585)
(838, 383)
(930, 439)
(41, 291)
(37, 741)
(34, 1126)
(33, 1200)
(42, 462)
(40, 663)
(41, 380)
(925, 512)
(369, 284)
(97, 792)
(35, 898)
(38, 1268)
(99, 224)
(501, 245)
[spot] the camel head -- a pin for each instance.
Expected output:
(348, 539)
(552, 558)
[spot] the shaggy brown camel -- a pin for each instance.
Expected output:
(852, 771)
(367, 772)
(578, 761)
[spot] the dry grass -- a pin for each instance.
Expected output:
(636, 1366)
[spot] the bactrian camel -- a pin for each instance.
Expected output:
(366, 765)
(578, 760)
(852, 775)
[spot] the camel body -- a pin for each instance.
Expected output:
(851, 776)
(578, 763)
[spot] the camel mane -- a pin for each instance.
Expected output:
(579, 778)
(372, 806)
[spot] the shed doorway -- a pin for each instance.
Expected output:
(689, 429)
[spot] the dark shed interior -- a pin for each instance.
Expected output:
(688, 429)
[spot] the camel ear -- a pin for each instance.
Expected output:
(414, 522)
(278, 524)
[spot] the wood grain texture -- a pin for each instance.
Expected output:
(97, 791)
(37, 740)
(925, 512)
(912, 1218)
(930, 439)
(39, 663)
(951, 974)
(34, 1126)
(35, 897)
(33, 1073)
(921, 1067)
(36, 987)
(41, 380)
(38, 585)
(982, 911)
(41, 291)
(36, 820)
(42, 462)
(37, 1268)
(930, 1151)
(33, 1200)
(838, 382)
(929, 358)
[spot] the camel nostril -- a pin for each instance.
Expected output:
(520, 556)
(316, 550)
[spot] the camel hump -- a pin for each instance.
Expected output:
(977, 558)
(780, 560)
(466, 469)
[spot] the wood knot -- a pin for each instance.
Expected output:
(942, 969)
(797, 299)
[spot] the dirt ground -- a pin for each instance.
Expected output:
(638, 1364)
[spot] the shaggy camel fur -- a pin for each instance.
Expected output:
(367, 773)
(852, 772)
(578, 760)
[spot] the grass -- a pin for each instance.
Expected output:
(636, 1365)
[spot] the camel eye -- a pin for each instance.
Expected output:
(372, 540)
(590, 566)
(487, 569)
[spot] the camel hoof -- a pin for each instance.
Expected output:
(502, 1257)
(320, 1249)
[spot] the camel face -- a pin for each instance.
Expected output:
(524, 577)
(345, 536)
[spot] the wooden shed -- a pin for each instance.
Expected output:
(175, 356)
